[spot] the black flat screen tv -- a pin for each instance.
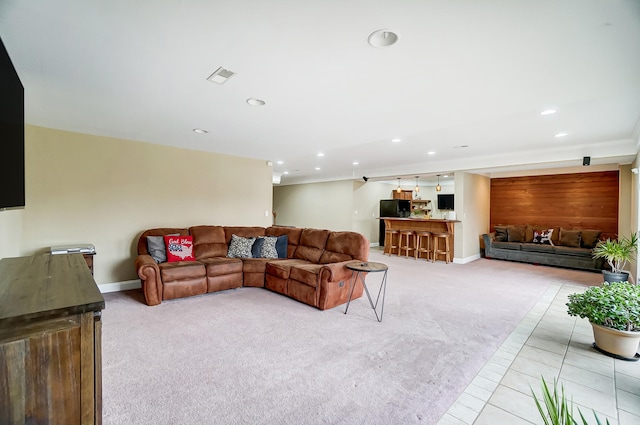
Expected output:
(12, 191)
(445, 201)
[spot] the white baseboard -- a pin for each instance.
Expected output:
(466, 259)
(372, 244)
(120, 286)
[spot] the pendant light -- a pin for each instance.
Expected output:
(417, 189)
(398, 189)
(438, 187)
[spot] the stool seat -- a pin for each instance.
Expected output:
(446, 237)
(423, 244)
(407, 242)
(389, 243)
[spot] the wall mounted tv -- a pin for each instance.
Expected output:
(11, 134)
(445, 201)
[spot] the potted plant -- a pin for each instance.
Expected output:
(617, 253)
(555, 409)
(614, 312)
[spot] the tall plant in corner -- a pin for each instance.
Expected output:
(556, 410)
(618, 252)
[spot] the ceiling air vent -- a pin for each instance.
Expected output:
(221, 75)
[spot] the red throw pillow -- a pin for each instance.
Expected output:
(179, 248)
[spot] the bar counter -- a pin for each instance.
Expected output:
(422, 225)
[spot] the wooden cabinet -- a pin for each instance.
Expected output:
(50, 341)
(403, 194)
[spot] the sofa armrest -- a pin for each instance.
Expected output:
(149, 274)
(488, 239)
(335, 272)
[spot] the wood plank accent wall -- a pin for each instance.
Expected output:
(572, 201)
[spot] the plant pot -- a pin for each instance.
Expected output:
(617, 343)
(615, 277)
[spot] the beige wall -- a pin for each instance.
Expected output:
(89, 189)
(319, 205)
(472, 209)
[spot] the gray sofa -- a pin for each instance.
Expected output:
(558, 253)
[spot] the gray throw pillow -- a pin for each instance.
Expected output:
(240, 247)
(157, 249)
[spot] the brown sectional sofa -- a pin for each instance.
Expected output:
(314, 271)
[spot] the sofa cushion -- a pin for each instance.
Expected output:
(282, 268)
(515, 233)
(240, 247)
(542, 237)
(179, 248)
(255, 265)
(293, 238)
(312, 243)
(569, 238)
(537, 247)
(501, 233)
(576, 252)
(306, 273)
(243, 231)
(506, 245)
(344, 246)
(181, 270)
(590, 238)
(208, 241)
(218, 266)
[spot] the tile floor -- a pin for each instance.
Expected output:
(551, 344)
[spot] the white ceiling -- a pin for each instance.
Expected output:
(464, 72)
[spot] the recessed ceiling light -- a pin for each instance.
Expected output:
(200, 131)
(286, 172)
(317, 168)
(548, 112)
(220, 75)
(256, 102)
(382, 38)
(445, 176)
(561, 134)
(280, 162)
(431, 153)
(396, 140)
(356, 163)
(320, 154)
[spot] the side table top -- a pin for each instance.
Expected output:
(367, 266)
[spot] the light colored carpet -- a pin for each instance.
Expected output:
(250, 356)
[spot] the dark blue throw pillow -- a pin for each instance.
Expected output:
(256, 248)
(281, 246)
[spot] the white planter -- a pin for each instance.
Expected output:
(613, 341)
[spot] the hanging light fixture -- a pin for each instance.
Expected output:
(417, 189)
(438, 187)
(398, 189)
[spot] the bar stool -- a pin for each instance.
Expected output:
(423, 244)
(408, 237)
(436, 246)
(389, 245)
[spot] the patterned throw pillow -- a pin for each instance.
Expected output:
(269, 247)
(542, 236)
(240, 247)
(179, 248)
(264, 247)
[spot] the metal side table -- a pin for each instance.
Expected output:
(357, 268)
